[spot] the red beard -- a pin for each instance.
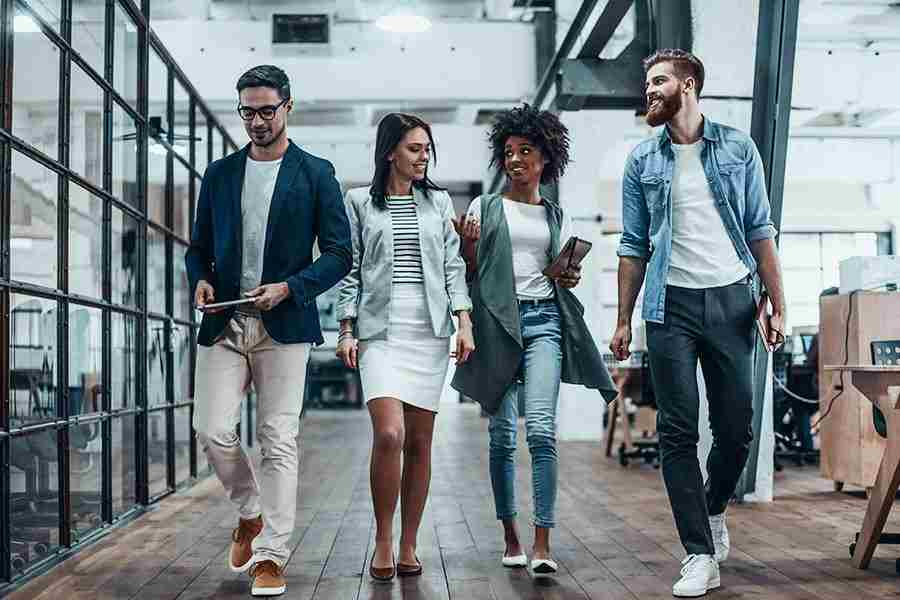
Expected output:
(668, 108)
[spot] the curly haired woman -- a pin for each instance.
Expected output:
(531, 333)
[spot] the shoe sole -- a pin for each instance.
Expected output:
(268, 591)
(712, 585)
(543, 570)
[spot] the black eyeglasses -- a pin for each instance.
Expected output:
(266, 112)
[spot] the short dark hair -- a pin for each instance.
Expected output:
(266, 76)
(540, 127)
(683, 62)
(391, 130)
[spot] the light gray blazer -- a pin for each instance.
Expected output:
(365, 292)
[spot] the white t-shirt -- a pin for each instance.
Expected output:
(256, 198)
(530, 237)
(703, 255)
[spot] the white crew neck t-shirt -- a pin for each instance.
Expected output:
(530, 237)
(703, 255)
(256, 198)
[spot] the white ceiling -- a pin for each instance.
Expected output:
(342, 10)
(348, 12)
(862, 22)
(865, 26)
(870, 28)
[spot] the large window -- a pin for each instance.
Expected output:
(811, 262)
(98, 328)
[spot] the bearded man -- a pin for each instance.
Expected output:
(696, 222)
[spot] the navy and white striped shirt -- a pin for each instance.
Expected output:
(407, 250)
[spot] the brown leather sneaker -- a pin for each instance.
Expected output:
(267, 579)
(241, 556)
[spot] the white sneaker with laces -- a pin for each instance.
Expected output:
(699, 574)
(720, 536)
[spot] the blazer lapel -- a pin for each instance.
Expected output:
(235, 187)
(290, 166)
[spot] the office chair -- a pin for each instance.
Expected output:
(645, 448)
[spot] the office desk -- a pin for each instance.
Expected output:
(881, 385)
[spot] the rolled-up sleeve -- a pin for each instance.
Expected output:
(635, 239)
(454, 265)
(758, 223)
(350, 286)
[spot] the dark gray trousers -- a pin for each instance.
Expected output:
(714, 326)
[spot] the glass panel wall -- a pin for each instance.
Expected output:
(85, 242)
(125, 61)
(99, 328)
(33, 353)
(89, 32)
(34, 220)
(35, 104)
(86, 127)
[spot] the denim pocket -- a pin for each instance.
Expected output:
(654, 191)
(733, 176)
(539, 315)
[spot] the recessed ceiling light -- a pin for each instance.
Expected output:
(403, 19)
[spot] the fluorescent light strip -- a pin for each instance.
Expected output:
(403, 23)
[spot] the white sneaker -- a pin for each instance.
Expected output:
(720, 536)
(699, 574)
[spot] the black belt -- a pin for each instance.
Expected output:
(535, 301)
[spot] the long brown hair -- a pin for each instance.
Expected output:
(391, 130)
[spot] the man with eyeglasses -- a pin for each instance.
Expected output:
(260, 211)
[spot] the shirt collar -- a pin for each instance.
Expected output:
(709, 133)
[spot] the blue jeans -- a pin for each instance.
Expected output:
(540, 376)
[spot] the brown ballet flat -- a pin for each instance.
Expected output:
(382, 574)
(404, 570)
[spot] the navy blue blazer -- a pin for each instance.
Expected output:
(307, 206)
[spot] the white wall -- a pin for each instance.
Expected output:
(465, 62)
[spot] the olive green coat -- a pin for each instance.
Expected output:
(495, 317)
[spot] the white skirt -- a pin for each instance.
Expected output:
(411, 364)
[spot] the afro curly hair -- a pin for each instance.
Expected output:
(540, 127)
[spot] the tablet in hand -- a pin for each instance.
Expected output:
(571, 255)
(213, 305)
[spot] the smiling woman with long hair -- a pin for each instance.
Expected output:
(395, 308)
(531, 334)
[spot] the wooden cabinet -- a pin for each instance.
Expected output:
(851, 449)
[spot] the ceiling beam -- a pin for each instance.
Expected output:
(550, 75)
(605, 27)
(595, 83)
(562, 53)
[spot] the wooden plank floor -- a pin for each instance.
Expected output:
(615, 539)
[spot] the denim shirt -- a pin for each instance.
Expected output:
(736, 180)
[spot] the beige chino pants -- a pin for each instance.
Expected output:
(246, 354)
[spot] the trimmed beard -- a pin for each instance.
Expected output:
(274, 139)
(670, 107)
